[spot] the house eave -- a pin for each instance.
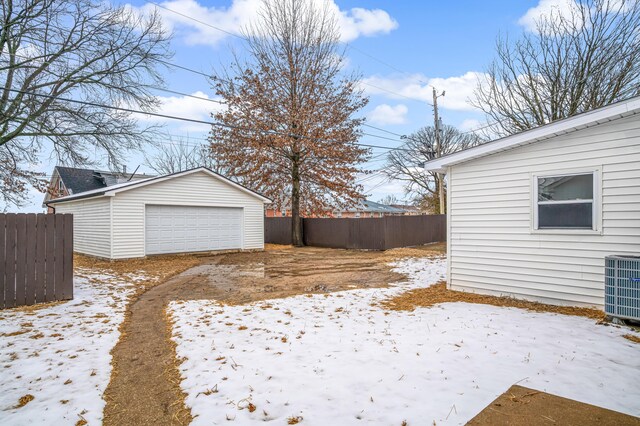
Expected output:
(561, 127)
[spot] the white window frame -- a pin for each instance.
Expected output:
(596, 211)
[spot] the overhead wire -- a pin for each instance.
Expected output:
(244, 38)
(193, 120)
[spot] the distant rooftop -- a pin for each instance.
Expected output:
(81, 180)
(368, 206)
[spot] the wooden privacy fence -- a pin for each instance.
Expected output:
(36, 258)
(364, 233)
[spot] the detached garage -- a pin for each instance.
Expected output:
(191, 211)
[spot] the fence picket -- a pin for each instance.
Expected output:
(3, 258)
(10, 262)
(30, 247)
(58, 257)
(41, 246)
(21, 258)
(67, 264)
(49, 259)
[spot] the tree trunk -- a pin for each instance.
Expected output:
(296, 221)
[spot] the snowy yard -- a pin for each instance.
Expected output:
(336, 359)
(59, 354)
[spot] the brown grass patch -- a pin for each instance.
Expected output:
(429, 250)
(159, 268)
(438, 293)
(24, 400)
(269, 247)
(15, 333)
(294, 420)
(31, 309)
(632, 337)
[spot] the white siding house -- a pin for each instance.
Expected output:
(533, 215)
(195, 210)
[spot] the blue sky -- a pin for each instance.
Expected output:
(402, 47)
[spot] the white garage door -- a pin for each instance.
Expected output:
(176, 229)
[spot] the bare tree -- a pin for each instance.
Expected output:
(407, 164)
(56, 51)
(575, 61)
(293, 92)
(175, 155)
(389, 200)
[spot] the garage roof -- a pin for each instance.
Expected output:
(560, 127)
(114, 189)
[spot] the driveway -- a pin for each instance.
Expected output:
(145, 383)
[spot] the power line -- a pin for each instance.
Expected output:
(193, 120)
(187, 95)
(244, 38)
(383, 130)
(197, 20)
(482, 127)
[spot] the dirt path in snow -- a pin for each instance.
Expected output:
(145, 382)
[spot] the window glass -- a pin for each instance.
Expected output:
(565, 188)
(565, 202)
(578, 216)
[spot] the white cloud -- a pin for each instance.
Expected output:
(187, 107)
(232, 19)
(459, 90)
(364, 22)
(546, 10)
(387, 114)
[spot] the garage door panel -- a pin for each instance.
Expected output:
(174, 229)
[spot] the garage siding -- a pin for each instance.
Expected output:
(196, 189)
(492, 246)
(91, 225)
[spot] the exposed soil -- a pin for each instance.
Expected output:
(145, 382)
(439, 293)
(520, 406)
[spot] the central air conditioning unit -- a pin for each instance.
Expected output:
(622, 287)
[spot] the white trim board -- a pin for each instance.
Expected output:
(578, 122)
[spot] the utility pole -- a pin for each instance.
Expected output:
(438, 147)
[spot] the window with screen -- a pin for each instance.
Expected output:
(565, 202)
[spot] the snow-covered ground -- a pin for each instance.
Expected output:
(59, 354)
(338, 360)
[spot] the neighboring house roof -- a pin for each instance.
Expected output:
(83, 180)
(79, 180)
(114, 189)
(577, 122)
(406, 207)
(372, 207)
